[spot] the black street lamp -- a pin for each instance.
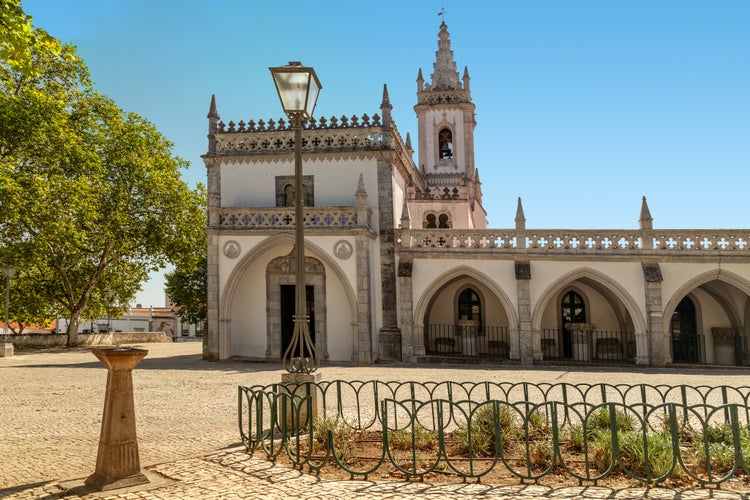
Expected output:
(298, 87)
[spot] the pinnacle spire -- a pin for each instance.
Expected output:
(212, 113)
(445, 75)
(385, 106)
(361, 193)
(520, 217)
(405, 216)
(645, 221)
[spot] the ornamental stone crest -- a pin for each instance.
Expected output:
(232, 249)
(523, 271)
(405, 269)
(652, 273)
(342, 249)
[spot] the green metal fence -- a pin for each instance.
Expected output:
(649, 433)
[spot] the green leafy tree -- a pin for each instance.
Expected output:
(186, 288)
(19, 39)
(91, 196)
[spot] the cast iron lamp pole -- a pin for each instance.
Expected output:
(8, 272)
(298, 87)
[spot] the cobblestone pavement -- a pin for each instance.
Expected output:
(186, 413)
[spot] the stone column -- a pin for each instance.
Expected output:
(364, 298)
(411, 346)
(522, 346)
(658, 342)
(389, 341)
(117, 461)
(211, 338)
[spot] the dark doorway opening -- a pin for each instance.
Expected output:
(684, 333)
(287, 315)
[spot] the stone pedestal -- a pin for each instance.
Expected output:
(723, 345)
(468, 331)
(389, 344)
(298, 386)
(117, 461)
(580, 334)
(6, 349)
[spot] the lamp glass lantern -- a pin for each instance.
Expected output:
(298, 87)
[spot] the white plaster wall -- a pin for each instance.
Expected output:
(227, 265)
(248, 330)
(443, 311)
(399, 193)
(599, 311)
(427, 271)
(339, 319)
(677, 274)
(628, 274)
(254, 185)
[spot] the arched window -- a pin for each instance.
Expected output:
(573, 310)
(288, 195)
(470, 306)
(683, 328)
(430, 221)
(444, 221)
(445, 140)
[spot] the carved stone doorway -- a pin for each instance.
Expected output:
(280, 274)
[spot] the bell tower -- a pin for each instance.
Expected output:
(446, 121)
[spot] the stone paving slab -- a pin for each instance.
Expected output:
(186, 417)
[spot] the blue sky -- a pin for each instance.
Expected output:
(582, 106)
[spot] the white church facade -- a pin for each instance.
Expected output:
(400, 264)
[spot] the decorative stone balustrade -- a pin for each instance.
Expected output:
(282, 141)
(318, 135)
(283, 218)
(601, 242)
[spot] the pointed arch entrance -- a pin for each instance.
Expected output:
(707, 320)
(684, 331)
(463, 314)
(281, 286)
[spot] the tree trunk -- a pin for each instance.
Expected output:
(75, 319)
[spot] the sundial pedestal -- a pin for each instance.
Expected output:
(117, 461)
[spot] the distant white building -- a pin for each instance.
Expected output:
(401, 266)
(139, 319)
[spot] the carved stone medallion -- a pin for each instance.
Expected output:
(232, 249)
(342, 249)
